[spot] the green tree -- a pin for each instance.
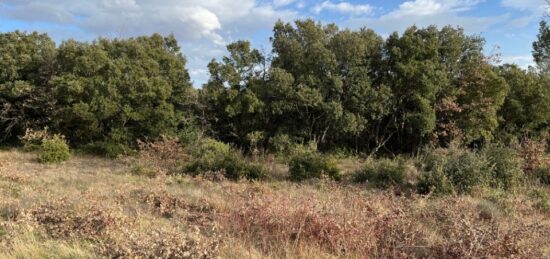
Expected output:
(541, 47)
(232, 107)
(121, 90)
(26, 64)
(416, 76)
(526, 110)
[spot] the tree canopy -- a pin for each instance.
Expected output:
(340, 88)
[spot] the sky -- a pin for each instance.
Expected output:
(204, 27)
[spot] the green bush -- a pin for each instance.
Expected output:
(384, 173)
(506, 167)
(308, 165)
(541, 200)
(542, 175)
(434, 181)
(468, 170)
(32, 140)
(282, 144)
(214, 156)
(54, 150)
(107, 149)
(454, 171)
(139, 170)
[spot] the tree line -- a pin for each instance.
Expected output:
(342, 89)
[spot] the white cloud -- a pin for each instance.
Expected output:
(430, 12)
(433, 7)
(344, 7)
(535, 8)
(279, 3)
(202, 27)
(525, 5)
(523, 61)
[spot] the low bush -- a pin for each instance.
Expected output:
(308, 165)
(506, 167)
(214, 156)
(54, 150)
(282, 144)
(434, 181)
(450, 171)
(542, 175)
(32, 140)
(148, 172)
(107, 149)
(467, 170)
(532, 151)
(384, 173)
(460, 171)
(541, 200)
(165, 155)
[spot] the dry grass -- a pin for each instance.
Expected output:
(89, 207)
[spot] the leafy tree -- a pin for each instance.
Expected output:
(232, 107)
(483, 93)
(121, 90)
(526, 110)
(330, 93)
(26, 64)
(415, 76)
(541, 47)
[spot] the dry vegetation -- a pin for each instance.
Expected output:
(89, 207)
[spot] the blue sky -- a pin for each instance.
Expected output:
(203, 27)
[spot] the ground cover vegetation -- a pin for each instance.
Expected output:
(338, 143)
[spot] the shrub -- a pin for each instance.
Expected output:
(32, 140)
(541, 199)
(454, 171)
(384, 173)
(468, 170)
(190, 135)
(213, 156)
(165, 155)
(532, 152)
(144, 171)
(542, 175)
(54, 150)
(506, 167)
(434, 181)
(308, 165)
(282, 144)
(107, 149)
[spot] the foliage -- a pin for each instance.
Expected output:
(525, 111)
(506, 167)
(542, 174)
(454, 170)
(212, 156)
(384, 173)
(541, 199)
(164, 156)
(340, 89)
(435, 181)
(120, 90)
(32, 140)
(27, 61)
(54, 150)
(464, 170)
(108, 149)
(282, 144)
(309, 165)
(541, 47)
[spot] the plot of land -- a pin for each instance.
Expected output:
(90, 207)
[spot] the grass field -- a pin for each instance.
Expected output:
(91, 207)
